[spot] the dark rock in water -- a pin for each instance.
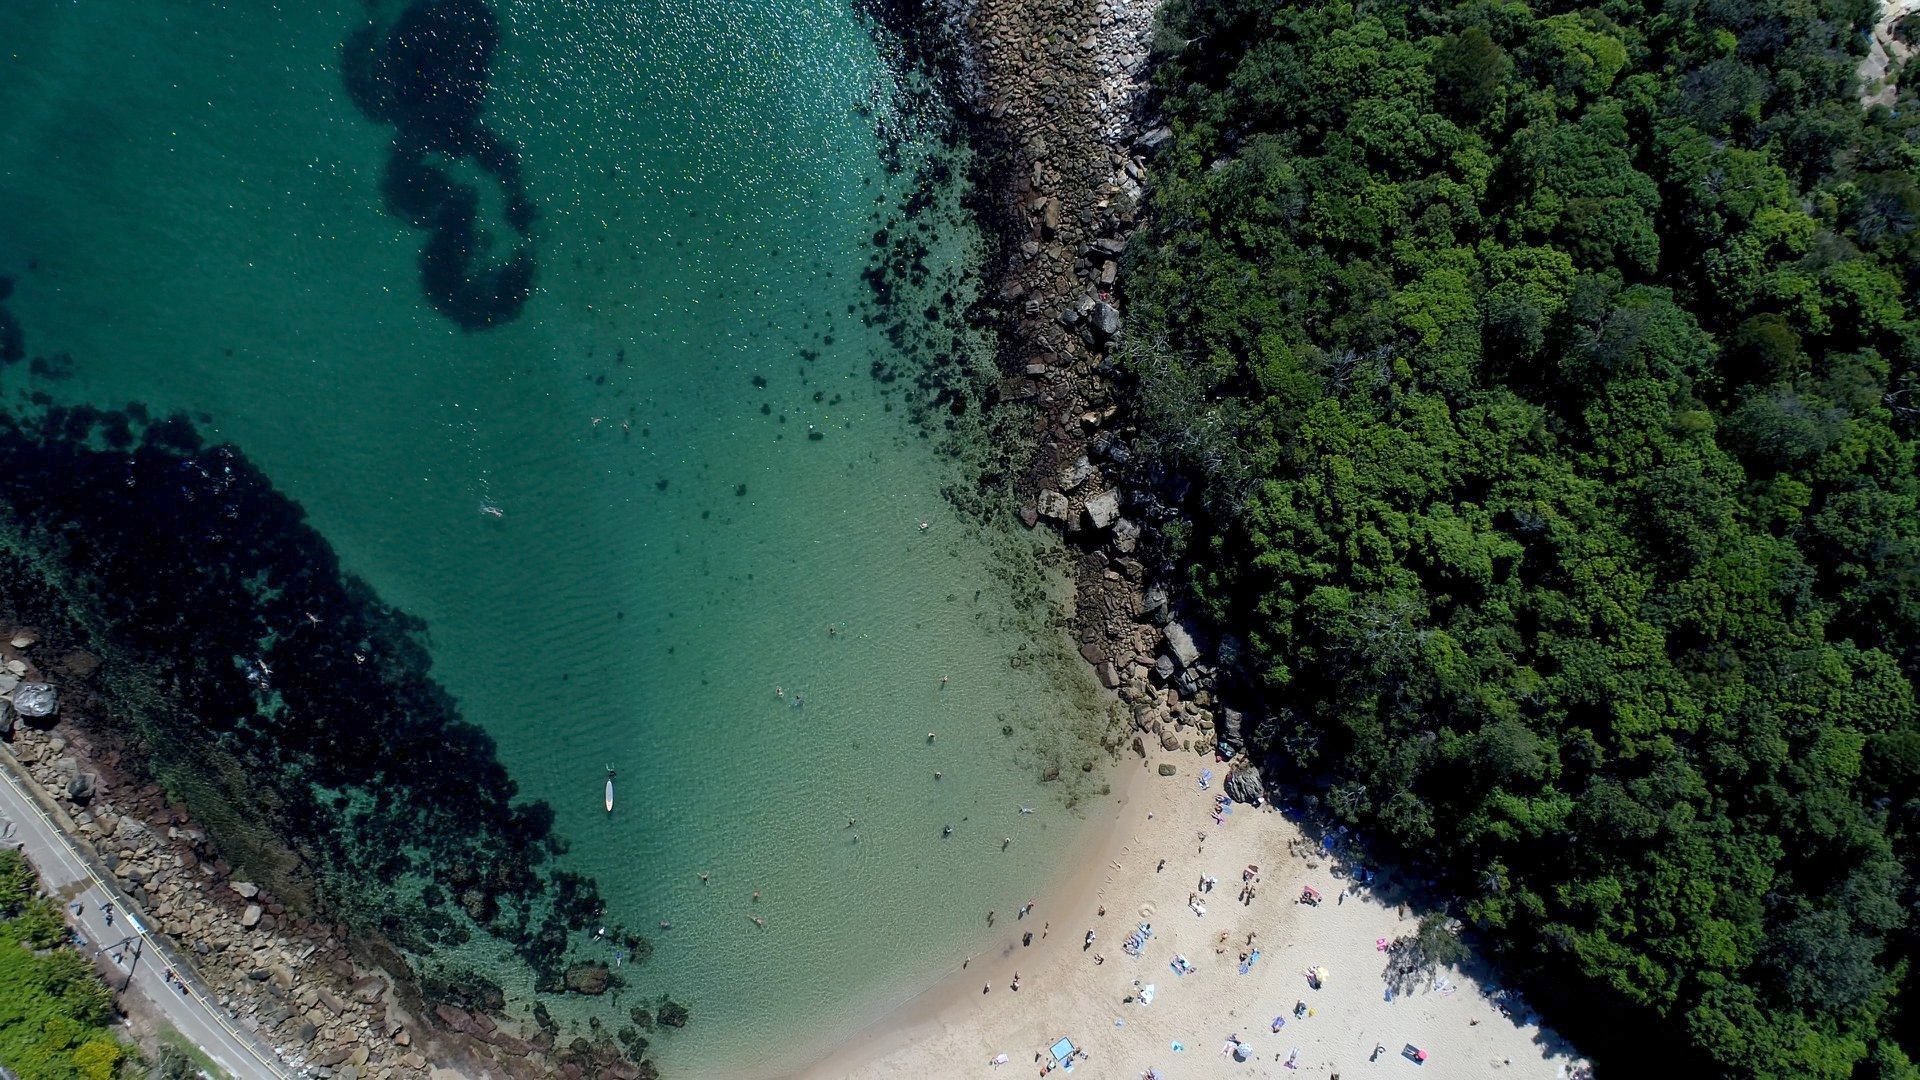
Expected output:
(35, 700)
(588, 979)
(1244, 785)
(478, 905)
(456, 1019)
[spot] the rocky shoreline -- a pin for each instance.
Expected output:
(310, 990)
(1057, 99)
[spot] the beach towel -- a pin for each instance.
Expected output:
(1205, 775)
(1146, 994)
(999, 1059)
(1177, 1047)
(1252, 959)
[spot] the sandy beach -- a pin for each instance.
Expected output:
(960, 1026)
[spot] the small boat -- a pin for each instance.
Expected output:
(609, 789)
(492, 511)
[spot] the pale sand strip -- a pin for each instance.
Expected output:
(953, 1030)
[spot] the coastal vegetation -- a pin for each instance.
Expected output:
(1531, 391)
(54, 1010)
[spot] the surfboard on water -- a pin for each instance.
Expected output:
(609, 796)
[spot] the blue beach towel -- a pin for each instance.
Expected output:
(1252, 959)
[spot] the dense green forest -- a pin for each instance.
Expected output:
(54, 1010)
(1532, 390)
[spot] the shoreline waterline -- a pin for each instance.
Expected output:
(1085, 882)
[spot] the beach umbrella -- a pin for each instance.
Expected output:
(1320, 973)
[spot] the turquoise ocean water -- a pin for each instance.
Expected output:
(190, 209)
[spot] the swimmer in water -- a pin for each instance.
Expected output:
(943, 680)
(779, 691)
(936, 774)
(929, 736)
(924, 526)
(703, 877)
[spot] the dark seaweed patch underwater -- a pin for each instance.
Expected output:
(426, 74)
(279, 697)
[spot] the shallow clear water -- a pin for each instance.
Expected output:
(190, 208)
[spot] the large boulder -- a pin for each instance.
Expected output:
(6, 719)
(1244, 785)
(1076, 474)
(1054, 506)
(588, 978)
(1126, 536)
(1106, 320)
(81, 787)
(35, 700)
(250, 918)
(1153, 606)
(1180, 645)
(1153, 141)
(1103, 509)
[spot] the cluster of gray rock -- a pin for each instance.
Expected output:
(1065, 81)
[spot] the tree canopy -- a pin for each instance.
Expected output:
(54, 1010)
(1541, 392)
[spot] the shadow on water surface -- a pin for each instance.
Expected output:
(426, 74)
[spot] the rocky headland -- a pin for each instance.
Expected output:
(1058, 104)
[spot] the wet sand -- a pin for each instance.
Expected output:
(954, 1029)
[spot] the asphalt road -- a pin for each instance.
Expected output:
(106, 926)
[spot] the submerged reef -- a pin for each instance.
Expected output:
(426, 74)
(286, 706)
